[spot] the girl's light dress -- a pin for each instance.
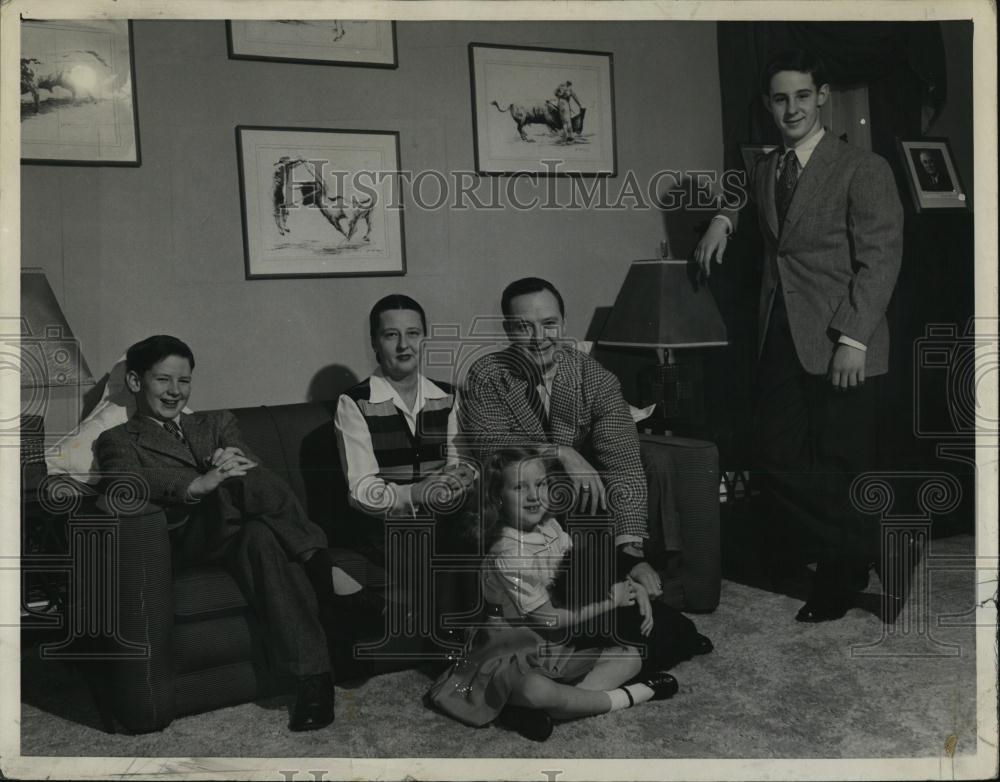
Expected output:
(516, 575)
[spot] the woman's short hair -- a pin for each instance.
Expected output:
(394, 301)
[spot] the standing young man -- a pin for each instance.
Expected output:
(832, 225)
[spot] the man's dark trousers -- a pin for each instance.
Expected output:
(811, 441)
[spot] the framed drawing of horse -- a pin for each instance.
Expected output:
(320, 202)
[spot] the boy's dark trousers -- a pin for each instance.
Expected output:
(811, 442)
(255, 527)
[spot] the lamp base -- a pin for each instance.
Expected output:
(677, 390)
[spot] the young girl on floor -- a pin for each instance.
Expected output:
(520, 667)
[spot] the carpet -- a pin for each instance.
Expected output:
(773, 688)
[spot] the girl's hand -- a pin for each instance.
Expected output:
(623, 594)
(645, 608)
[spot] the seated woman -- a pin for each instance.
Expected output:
(395, 433)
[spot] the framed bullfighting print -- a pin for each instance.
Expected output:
(548, 112)
(360, 42)
(320, 203)
(78, 93)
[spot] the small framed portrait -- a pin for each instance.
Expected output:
(78, 93)
(752, 153)
(549, 112)
(931, 175)
(320, 202)
(361, 42)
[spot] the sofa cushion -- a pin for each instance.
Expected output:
(206, 593)
(209, 644)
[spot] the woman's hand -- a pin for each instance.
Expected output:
(645, 607)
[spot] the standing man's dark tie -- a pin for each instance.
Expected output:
(786, 186)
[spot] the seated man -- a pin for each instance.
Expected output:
(542, 391)
(235, 513)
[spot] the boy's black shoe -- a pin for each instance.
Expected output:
(313, 707)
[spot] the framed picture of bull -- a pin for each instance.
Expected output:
(367, 43)
(320, 202)
(548, 112)
(78, 93)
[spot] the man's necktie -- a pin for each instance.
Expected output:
(786, 186)
(535, 400)
(175, 431)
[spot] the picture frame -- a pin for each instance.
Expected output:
(750, 153)
(320, 202)
(78, 101)
(523, 99)
(347, 42)
(932, 176)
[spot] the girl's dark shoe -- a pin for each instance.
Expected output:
(662, 684)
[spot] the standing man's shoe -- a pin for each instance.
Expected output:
(313, 707)
(823, 608)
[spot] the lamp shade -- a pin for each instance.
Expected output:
(50, 354)
(659, 306)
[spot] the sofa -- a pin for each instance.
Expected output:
(203, 646)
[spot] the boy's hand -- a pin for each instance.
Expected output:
(847, 367)
(712, 245)
(222, 454)
(233, 467)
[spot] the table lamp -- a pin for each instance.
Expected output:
(50, 362)
(660, 307)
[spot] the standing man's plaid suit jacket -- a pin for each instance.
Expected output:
(586, 411)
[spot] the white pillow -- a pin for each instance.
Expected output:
(73, 455)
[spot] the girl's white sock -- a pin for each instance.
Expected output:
(630, 695)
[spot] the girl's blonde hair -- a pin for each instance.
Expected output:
(493, 477)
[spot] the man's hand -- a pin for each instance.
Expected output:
(712, 245)
(232, 467)
(587, 483)
(645, 608)
(644, 574)
(847, 367)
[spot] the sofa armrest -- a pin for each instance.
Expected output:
(683, 481)
(141, 683)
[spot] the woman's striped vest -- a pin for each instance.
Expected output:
(403, 457)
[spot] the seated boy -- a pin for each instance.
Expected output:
(234, 513)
